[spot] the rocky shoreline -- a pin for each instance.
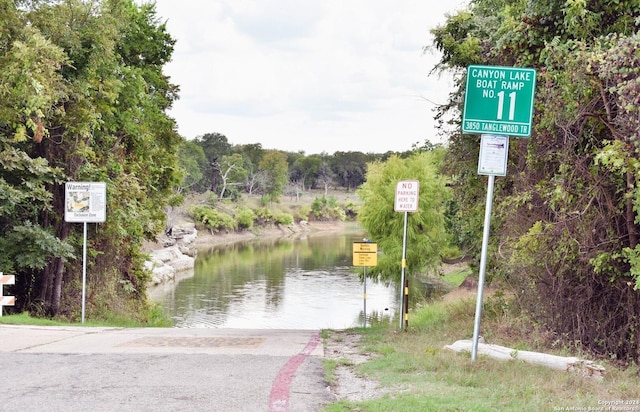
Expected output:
(172, 253)
(175, 251)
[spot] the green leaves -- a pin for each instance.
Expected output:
(30, 80)
(568, 216)
(28, 246)
(212, 219)
(275, 167)
(83, 97)
(425, 233)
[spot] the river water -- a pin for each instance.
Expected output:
(301, 283)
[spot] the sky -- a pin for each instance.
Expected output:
(305, 75)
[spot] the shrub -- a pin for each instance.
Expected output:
(301, 213)
(327, 209)
(351, 211)
(267, 199)
(212, 219)
(245, 218)
(210, 197)
(284, 219)
(264, 216)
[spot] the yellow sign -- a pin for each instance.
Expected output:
(365, 254)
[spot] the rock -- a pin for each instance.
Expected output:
(160, 273)
(189, 251)
(469, 283)
(175, 256)
(188, 239)
(182, 230)
(168, 242)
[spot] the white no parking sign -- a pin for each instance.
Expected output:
(407, 196)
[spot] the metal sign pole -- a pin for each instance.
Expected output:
(365, 254)
(84, 270)
(404, 265)
(406, 304)
(85, 202)
(365, 297)
(483, 267)
(406, 200)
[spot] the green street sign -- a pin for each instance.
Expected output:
(499, 100)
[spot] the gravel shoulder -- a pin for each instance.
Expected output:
(344, 348)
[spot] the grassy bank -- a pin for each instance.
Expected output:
(425, 377)
(154, 317)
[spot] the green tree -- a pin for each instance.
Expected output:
(193, 162)
(349, 168)
(305, 170)
(425, 228)
(570, 195)
(232, 174)
(252, 153)
(215, 145)
(29, 85)
(274, 165)
(325, 174)
(96, 112)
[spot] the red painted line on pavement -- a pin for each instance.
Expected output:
(279, 397)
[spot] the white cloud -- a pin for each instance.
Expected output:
(336, 75)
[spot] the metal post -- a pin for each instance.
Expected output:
(406, 304)
(404, 264)
(365, 297)
(483, 267)
(84, 270)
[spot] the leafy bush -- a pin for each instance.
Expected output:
(267, 199)
(301, 213)
(284, 219)
(327, 209)
(212, 219)
(264, 216)
(211, 197)
(245, 218)
(351, 211)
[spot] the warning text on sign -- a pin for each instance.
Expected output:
(365, 254)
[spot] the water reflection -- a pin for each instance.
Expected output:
(304, 283)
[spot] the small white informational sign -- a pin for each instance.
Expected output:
(494, 149)
(406, 199)
(85, 202)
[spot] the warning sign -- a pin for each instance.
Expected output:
(85, 202)
(365, 254)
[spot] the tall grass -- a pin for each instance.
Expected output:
(426, 377)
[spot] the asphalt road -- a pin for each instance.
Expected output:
(160, 369)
